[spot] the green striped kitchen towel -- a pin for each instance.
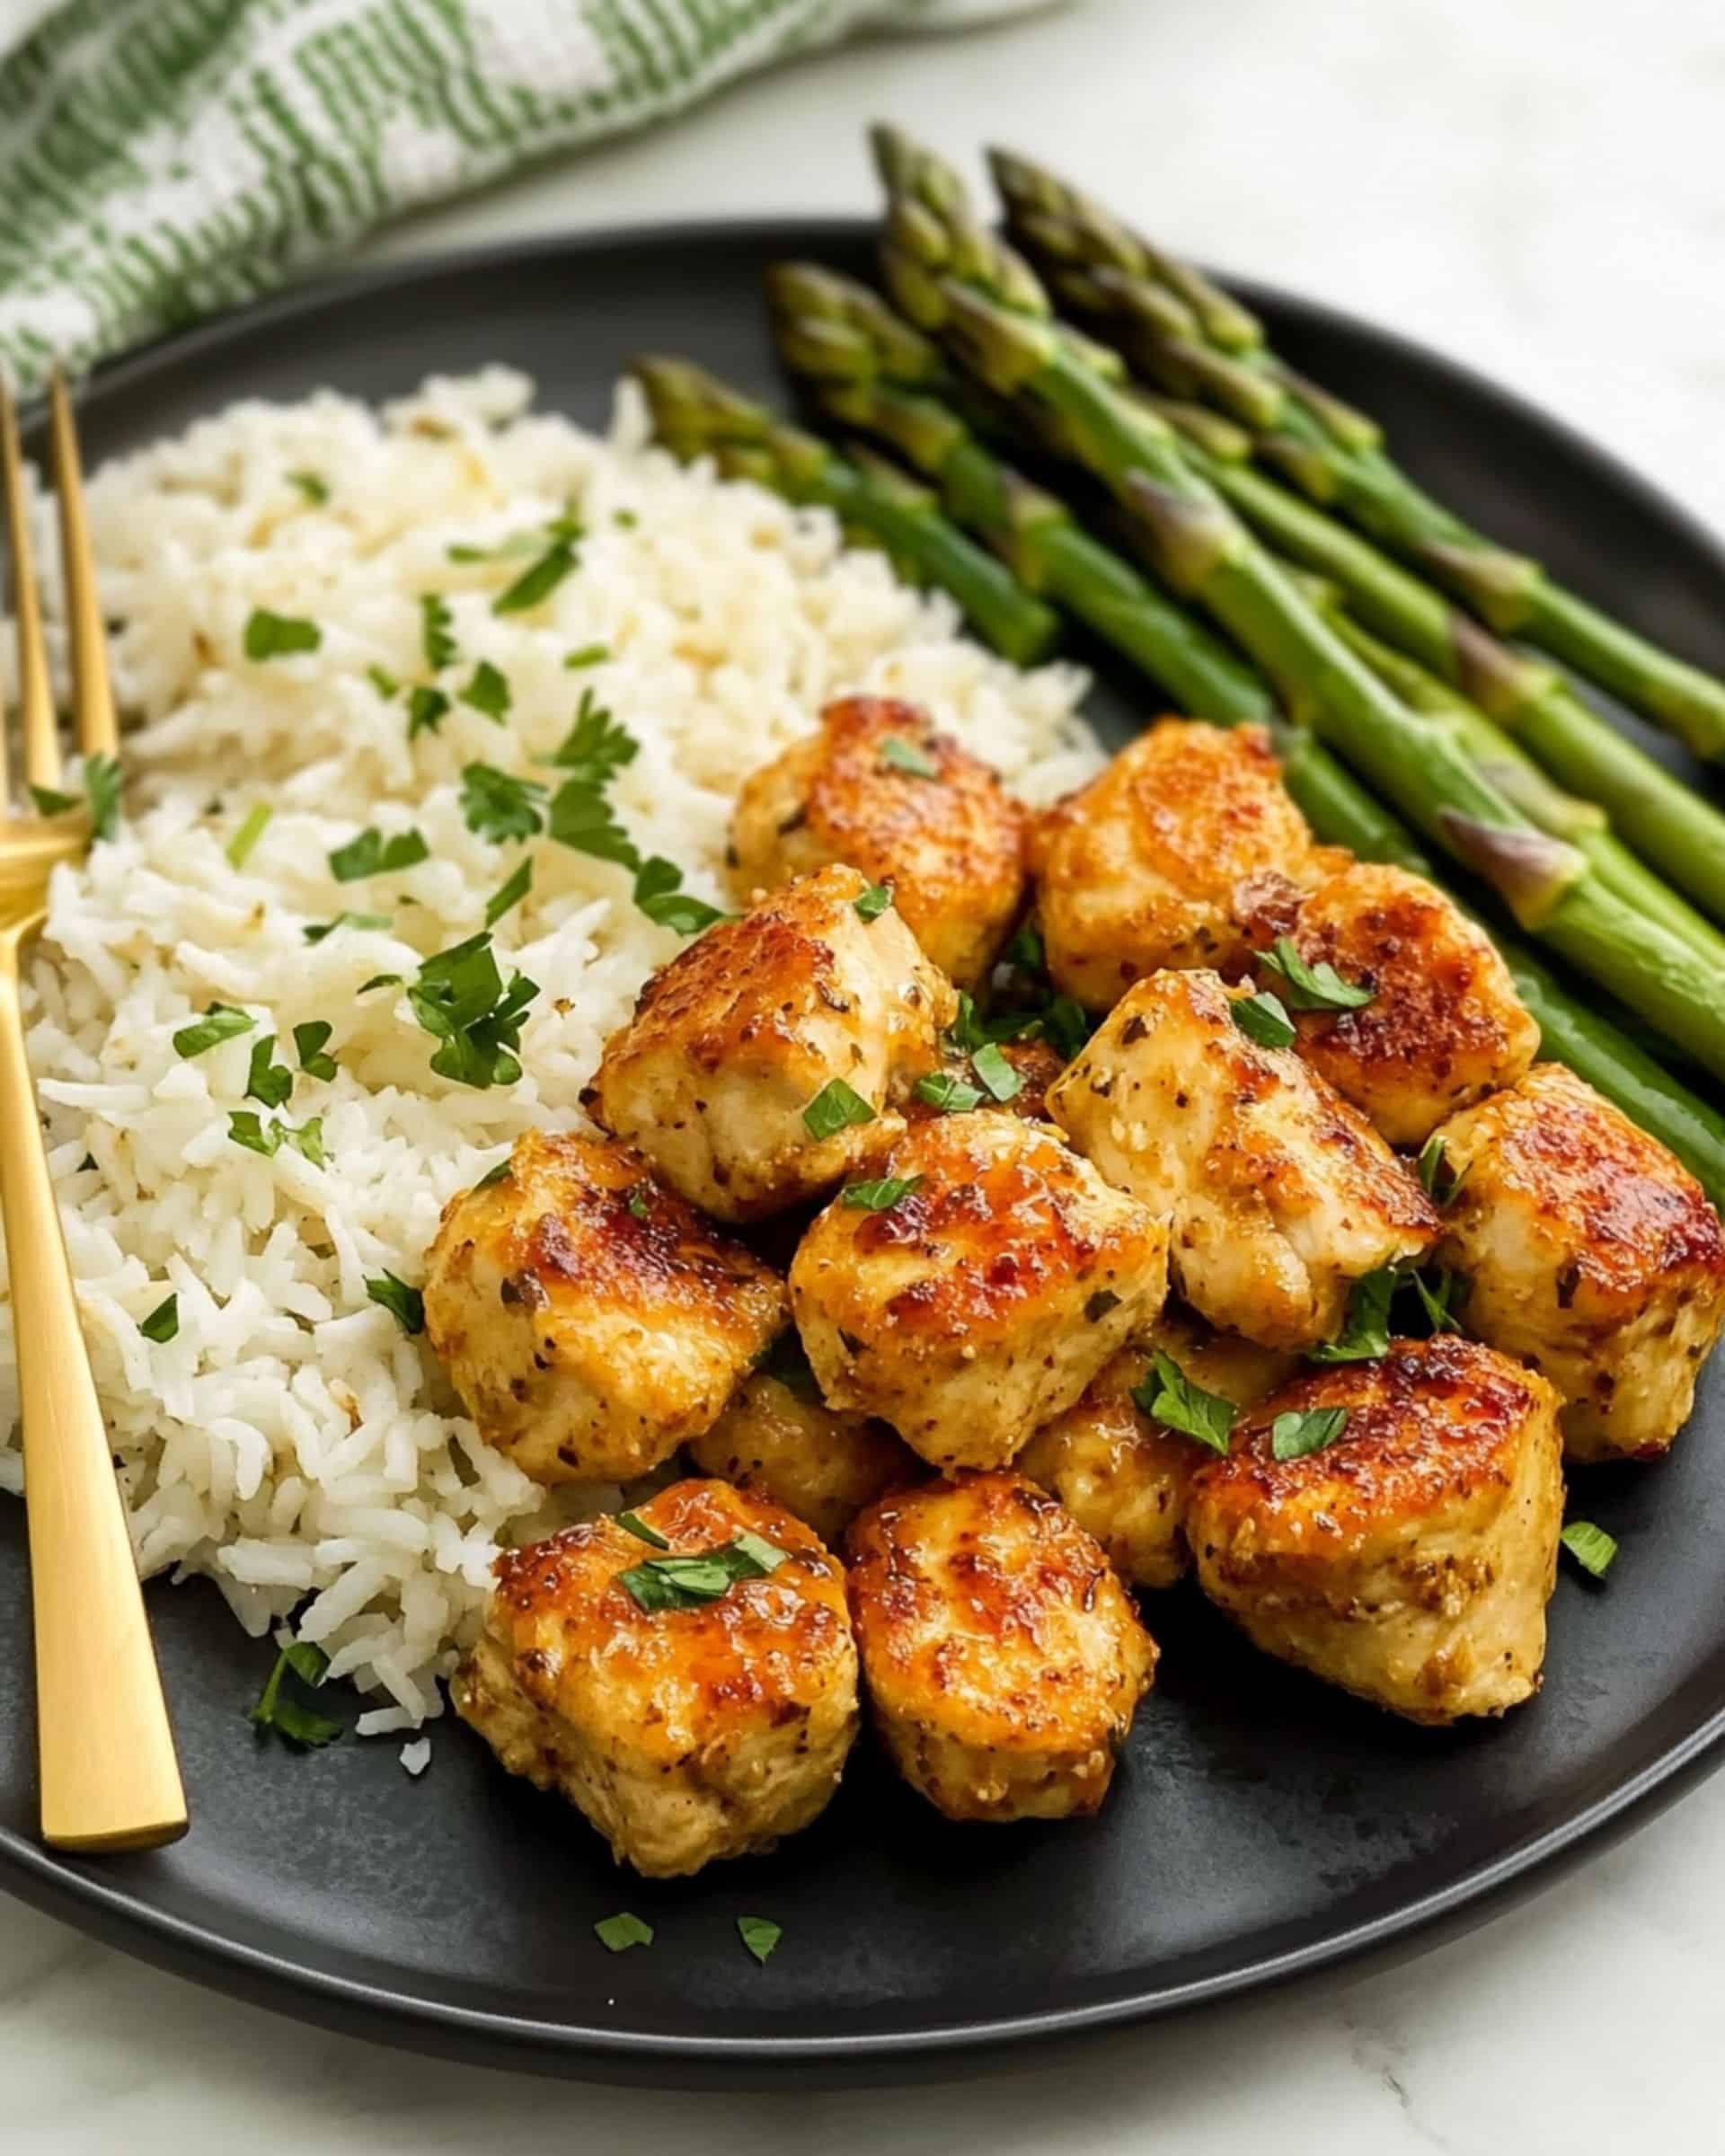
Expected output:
(160, 159)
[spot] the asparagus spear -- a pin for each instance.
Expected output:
(1333, 453)
(859, 357)
(694, 414)
(1201, 548)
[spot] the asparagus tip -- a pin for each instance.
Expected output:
(1530, 871)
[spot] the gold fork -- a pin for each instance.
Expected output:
(110, 1779)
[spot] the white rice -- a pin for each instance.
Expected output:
(291, 1442)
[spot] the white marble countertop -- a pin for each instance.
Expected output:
(1535, 188)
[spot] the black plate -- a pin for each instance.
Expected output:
(1260, 1824)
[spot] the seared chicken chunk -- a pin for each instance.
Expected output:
(589, 1319)
(683, 1733)
(786, 1444)
(1281, 1196)
(1124, 1476)
(1591, 1252)
(1003, 1658)
(985, 1298)
(879, 788)
(1410, 1560)
(1443, 1027)
(737, 1071)
(1033, 1064)
(1136, 871)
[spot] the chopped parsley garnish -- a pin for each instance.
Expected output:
(596, 747)
(277, 1710)
(1168, 1396)
(879, 1197)
(220, 1021)
(786, 1360)
(309, 1041)
(1309, 987)
(435, 638)
(899, 754)
(1262, 1017)
(257, 821)
(162, 1324)
(949, 1093)
(50, 803)
(625, 519)
(642, 1532)
(405, 1304)
(315, 931)
(1438, 1178)
(500, 806)
(760, 1935)
(279, 635)
(383, 681)
(1436, 1296)
(660, 896)
(373, 855)
(537, 581)
(315, 490)
(487, 691)
(102, 782)
(1066, 1025)
(509, 894)
(246, 1128)
(684, 1583)
(836, 1108)
(426, 708)
(267, 1080)
(494, 1175)
(618, 1933)
(875, 901)
(1026, 951)
(589, 655)
(995, 1073)
(1366, 1331)
(1301, 1431)
(636, 1202)
(581, 818)
(1591, 1547)
(505, 549)
(460, 999)
(379, 980)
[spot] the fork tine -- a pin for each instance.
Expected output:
(93, 695)
(35, 697)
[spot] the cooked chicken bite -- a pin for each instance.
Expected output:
(683, 1733)
(1590, 1251)
(589, 1319)
(985, 1297)
(1004, 1660)
(1280, 1195)
(878, 787)
(1121, 1474)
(739, 1046)
(1443, 1027)
(785, 1443)
(1136, 870)
(1410, 1560)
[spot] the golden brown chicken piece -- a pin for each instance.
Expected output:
(1445, 1026)
(1591, 1252)
(1136, 871)
(683, 1733)
(747, 1053)
(1004, 1660)
(1124, 1476)
(1280, 1194)
(879, 788)
(784, 1442)
(1034, 1063)
(1410, 1560)
(985, 1298)
(589, 1319)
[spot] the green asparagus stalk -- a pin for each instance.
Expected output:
(1673, 828)
(695, 415)
(1201, 548)
(1334, 454)
(875, 373)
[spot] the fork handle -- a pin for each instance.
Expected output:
(110, 1780)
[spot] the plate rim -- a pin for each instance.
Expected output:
(77, 1892)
